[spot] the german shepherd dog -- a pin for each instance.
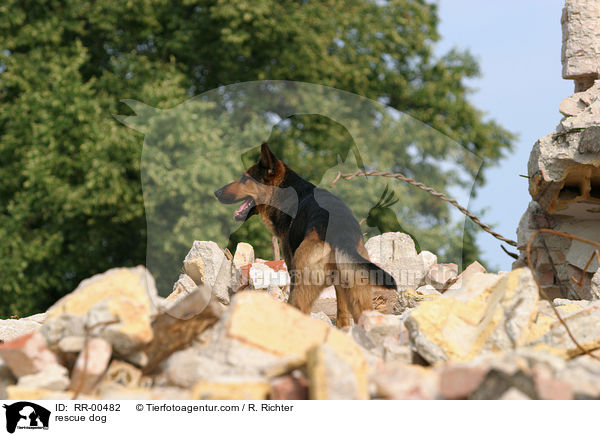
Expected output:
(320, 238)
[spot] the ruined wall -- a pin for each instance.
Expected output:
(564, 166)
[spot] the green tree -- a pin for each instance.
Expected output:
(71, 201)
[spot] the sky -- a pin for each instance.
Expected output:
(517, 44)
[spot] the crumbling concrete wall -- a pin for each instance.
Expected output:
(564, 166)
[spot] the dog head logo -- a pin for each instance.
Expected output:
(26, 415)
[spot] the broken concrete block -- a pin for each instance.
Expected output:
(389, 247)
(396, 254)
(393, 350)
(330, 377)
(223, 356)
(123, 322)
(52, 377)
(584, 327)
(187, 367)
(244, 255)
(28, 354)
(546, 319)
(71, 344)
(259, 320)
(91, 365)
(428, 259)
(490, 313)
(580, 48)
(529, 371)
(136, 284)
(582, 374)
(62, 326)
(572, 105)
(231, 389)
(117, 305)
(13, 328)
(182, 287)
(466, 275)
(203, 262)
(359, 335)
(207, 265)
(441, 276)
(398, 381)
(38, 317)
(379, 326)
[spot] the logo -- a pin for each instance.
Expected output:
(26, 415)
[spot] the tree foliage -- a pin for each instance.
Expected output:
(71, 202)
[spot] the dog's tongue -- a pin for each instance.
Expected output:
(241, 211)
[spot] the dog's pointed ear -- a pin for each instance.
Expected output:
(267, 158)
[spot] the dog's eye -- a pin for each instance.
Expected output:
(244, 178)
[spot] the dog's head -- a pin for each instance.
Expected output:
(255, 186)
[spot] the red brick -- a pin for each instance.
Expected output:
(457, 382)
(551, 389)
(28, 354)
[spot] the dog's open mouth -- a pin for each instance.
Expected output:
(242, 212)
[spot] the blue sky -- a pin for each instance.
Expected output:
(517, 44)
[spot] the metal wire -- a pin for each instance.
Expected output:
(413, 182)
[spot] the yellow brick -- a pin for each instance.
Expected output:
(462, 323)
(544, 323)
(120, 282)
(277, 327)
(195, 269)
(350, 353)
(134, 319)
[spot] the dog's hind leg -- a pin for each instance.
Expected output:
(310, 270)
(359, 299)
(343, 313)
(354, 283)
(358, 296)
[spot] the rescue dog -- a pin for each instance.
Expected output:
(321, 239)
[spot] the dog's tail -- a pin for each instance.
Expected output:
(377, 276)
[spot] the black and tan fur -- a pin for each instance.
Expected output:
(319, 235)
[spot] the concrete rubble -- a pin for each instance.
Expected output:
(476, 335)
(564, 169)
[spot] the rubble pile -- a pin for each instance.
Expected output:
(226, 332)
